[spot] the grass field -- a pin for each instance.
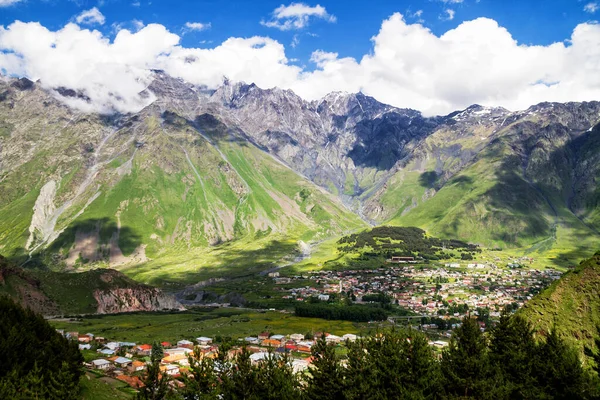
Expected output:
(235, 323)
(98, 387)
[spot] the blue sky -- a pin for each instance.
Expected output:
(530, 22)
(433, 55)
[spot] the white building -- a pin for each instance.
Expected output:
(350, 336)
(172, 369)
(256, 357)
(252, 340)
(296, 337)
(177, 350)
(203, 340)
(101, 364)
(333, 339)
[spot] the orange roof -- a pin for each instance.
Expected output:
(137, 363)
(271, 342)
(145, 347)
(132, 381)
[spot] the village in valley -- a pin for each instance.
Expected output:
(443, 290)
(427, 293)
(127, 361)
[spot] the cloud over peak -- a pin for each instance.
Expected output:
(408, 65)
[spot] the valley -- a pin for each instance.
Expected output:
(237, 210)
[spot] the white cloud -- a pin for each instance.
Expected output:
(90, 17)
(452, 1)
(296, 16)
(138, 24)
(448, 16)
(591, 7)
(408, 66)
(295, 41)
(197, 26)
(416, 16)
(6, 3)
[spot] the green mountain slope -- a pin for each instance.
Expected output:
(177, 198)
(571, 305)
(529, 186)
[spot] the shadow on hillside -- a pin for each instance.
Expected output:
(383, 141)
(102, 229)
(428, 179)
(237, 264)
(534, 186)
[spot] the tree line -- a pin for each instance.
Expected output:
(505, 362)
(343, 312)
(36, 362)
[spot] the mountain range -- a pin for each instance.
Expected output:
(203, 180)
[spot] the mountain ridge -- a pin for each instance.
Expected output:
(217, 163)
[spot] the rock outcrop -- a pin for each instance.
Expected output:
(121, 300)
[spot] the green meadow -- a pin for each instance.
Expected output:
(225, 322)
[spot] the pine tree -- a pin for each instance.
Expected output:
(360, 375)
(9, 386)
(276, 380)
(424, 380)
(155, 384)
(202, 383)
(325, 381)
(240, 381)
(33, 384)
(389, 353)
(513, 351)
(559, 371)
(30, 352)
(465, 362)
(62, 385)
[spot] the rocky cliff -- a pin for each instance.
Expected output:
(134, 299)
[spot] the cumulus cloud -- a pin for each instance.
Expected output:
(90, 17)
(296, 16)
(6, 3)
(408, 65)
(197, 26)
(591, 7)
(448, 15)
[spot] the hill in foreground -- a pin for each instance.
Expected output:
(570, 305)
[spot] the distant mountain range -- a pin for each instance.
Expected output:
(203, 168)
